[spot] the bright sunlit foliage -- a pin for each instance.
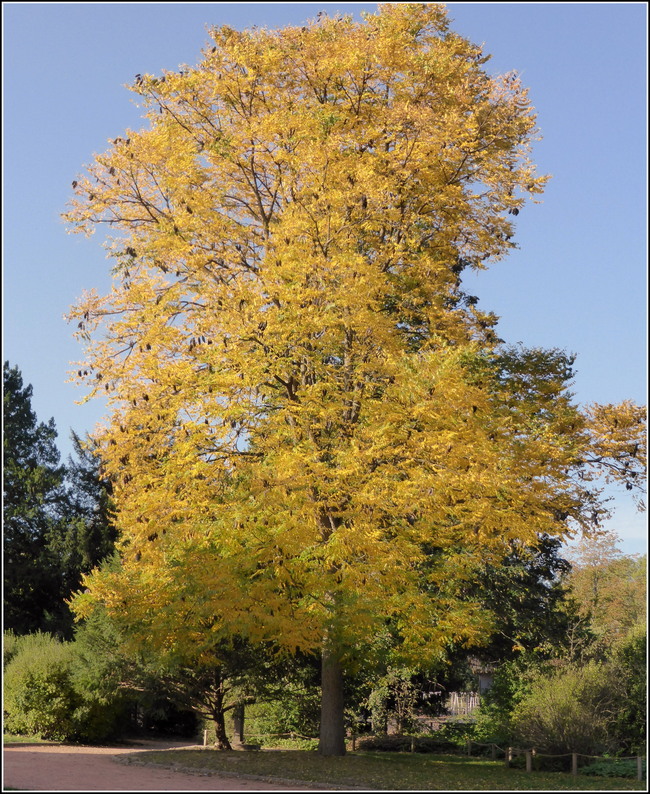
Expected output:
(314, 432)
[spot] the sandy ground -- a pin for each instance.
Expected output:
(44, 767)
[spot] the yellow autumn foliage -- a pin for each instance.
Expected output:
(307, 433)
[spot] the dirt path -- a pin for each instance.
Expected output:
(47, 767)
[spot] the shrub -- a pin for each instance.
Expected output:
(392, 699)
(570, 710)
(456, 732)
(613, 767)
(39, 696)
(10, 646)
(512, 683)
(393, 743)
(296, 711)
(629, 661)
(45, 696)
(96, 720)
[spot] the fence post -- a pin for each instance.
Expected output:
(469, 747)
(574, 763)
(205, 738)
(494, 751)
(354, 742)
(508, 756)
(529, 761)
(639, 768)
(412, 744)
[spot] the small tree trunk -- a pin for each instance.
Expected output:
(238, 724)
(332, 728)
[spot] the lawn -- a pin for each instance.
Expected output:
(383, 771)
(15, 738)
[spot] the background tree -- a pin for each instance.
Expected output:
(609, 587)
(595, 675)
(526, 595)
(33, 499)
(532, 619)
(290, 706)
(111, 669)
(88, 534)
(304, 402)
(57, 522)
(216, 684)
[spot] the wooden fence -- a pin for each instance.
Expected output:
(530, 755)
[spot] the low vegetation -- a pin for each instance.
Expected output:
(384, 771)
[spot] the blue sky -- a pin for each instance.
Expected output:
(578, 281)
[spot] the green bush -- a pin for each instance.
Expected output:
(512, 682)
(10, 646)
(97, 720)
(630, 665)
(559, 706)
(456, 732)
(613, 767)
(392, 699)
(39, 695)
(571, 710)
(392, 743)
(296, 711)
(45, 696)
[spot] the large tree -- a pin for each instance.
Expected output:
(304, 402)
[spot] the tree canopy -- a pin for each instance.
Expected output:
(609, 588)
(314, 432)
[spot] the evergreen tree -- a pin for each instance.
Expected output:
(33, 497)
(87, 537)
(56, 518)
(527, 598)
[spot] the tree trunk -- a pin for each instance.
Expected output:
(332, 729)
(238, 724)
(221, 737)
(218, 714)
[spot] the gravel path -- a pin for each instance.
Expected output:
(47, 767)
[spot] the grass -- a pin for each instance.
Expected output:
(382, 771)
(14, 738)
